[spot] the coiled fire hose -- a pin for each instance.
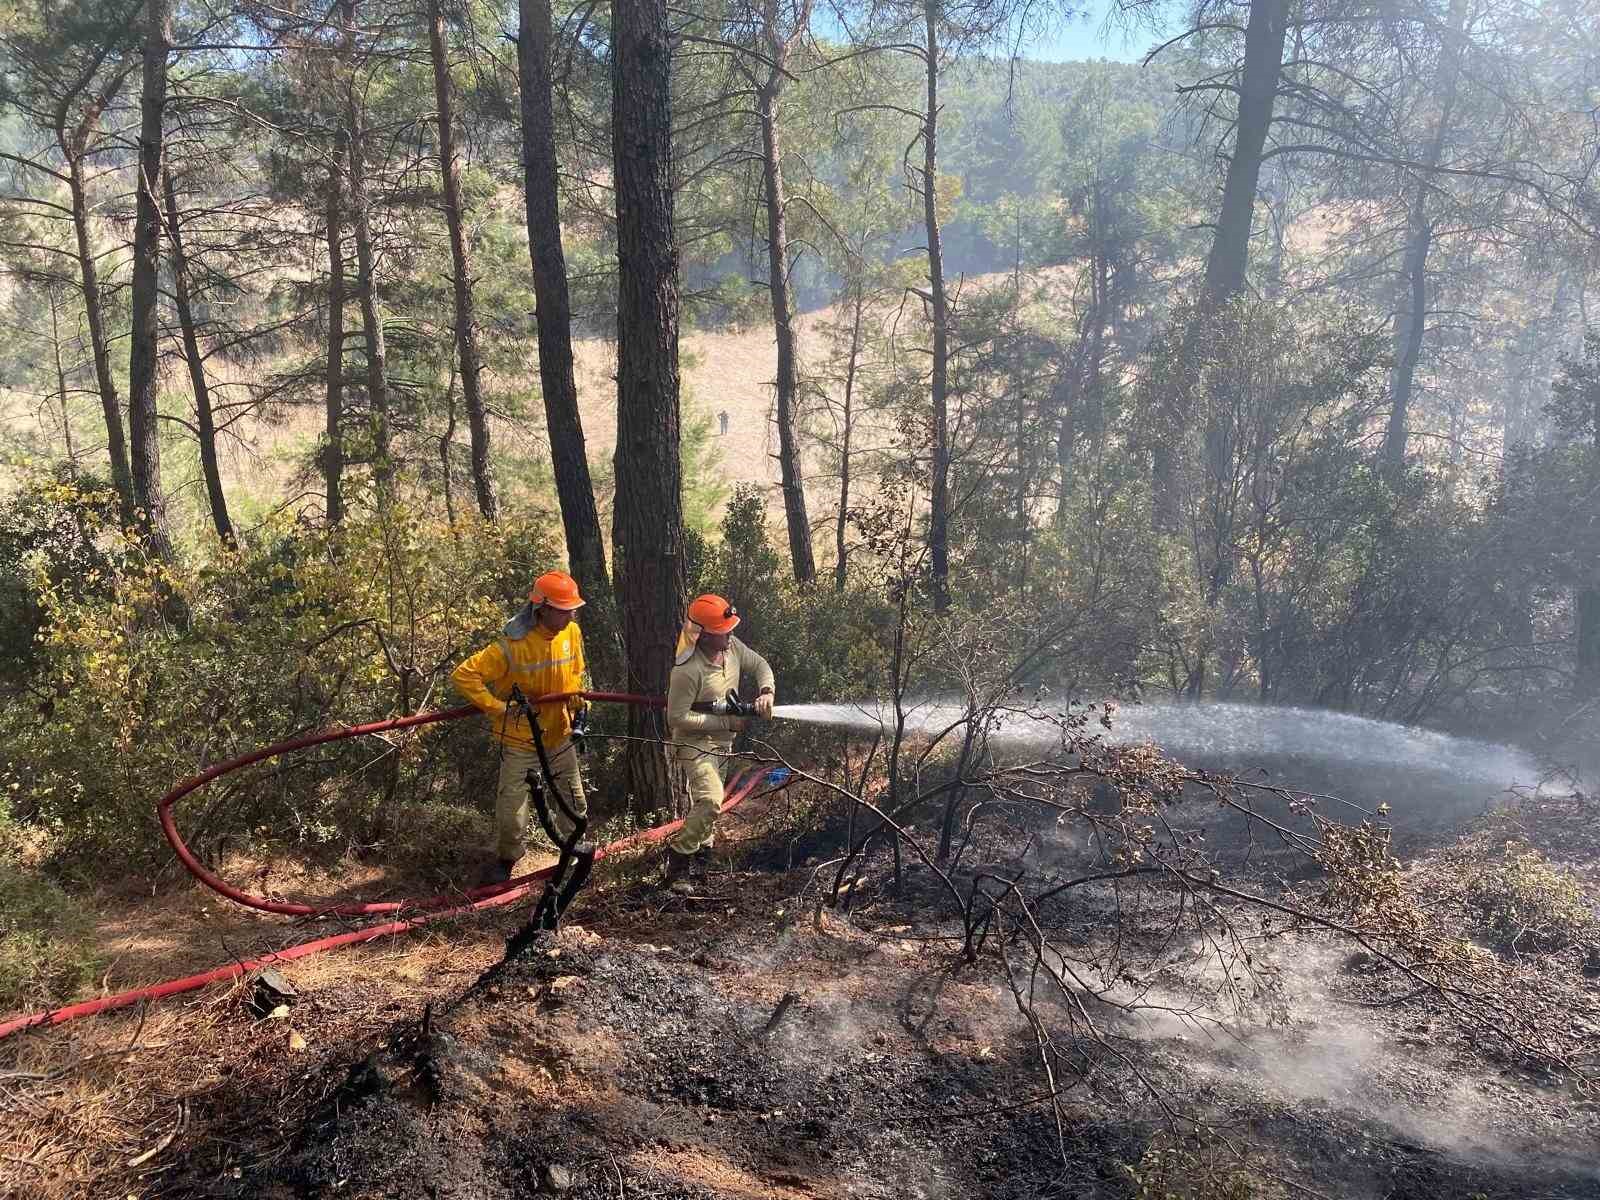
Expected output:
(428, 910)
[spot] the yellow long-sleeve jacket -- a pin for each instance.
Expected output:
(537, 661)
(698, 679)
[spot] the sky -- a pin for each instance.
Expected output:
(1088, 36)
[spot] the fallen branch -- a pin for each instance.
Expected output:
(177, 1128)
(788, 1001)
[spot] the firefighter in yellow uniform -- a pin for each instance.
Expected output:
(540, 651)
(711, 662)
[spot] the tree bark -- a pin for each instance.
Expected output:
(1263, 65)
(939, 390)
(466, 324)
(1064, 401)
(204, 422)
(61, 376)
(333, 405)
(1410, 326)
(94, 315)
(446, 440)
(1229, 260)
(1077, 392)
(790, 466)
(1588, 677)
(569, 456)
(648, 522)
(150, 517)
(371, 315)
(1021, 520)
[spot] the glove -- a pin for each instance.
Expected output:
(763, 705)
(580, 730)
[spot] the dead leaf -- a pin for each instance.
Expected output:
(297, 1041)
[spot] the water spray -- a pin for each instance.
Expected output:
(1232, 735)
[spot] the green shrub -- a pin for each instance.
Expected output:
(440, 840)
(52, 537)
(303, 629)
(823, 644)
(1528, 905)
(45, 956)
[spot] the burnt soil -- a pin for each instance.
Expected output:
(626, 1057)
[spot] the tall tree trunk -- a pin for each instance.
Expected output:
(1263, 65)
(1077, 393)
(841, 524)
(145, 292)
(648, 521)
(61, 376)
(1021, 519)
(1229, 260)
(1094, 393)
(94, 315)
(446, 440)
(1411, 319)
(939, 499)
(366, 270)
(1410, 326)
(580, 520)
(197, 373)
(1064, 402)
(333, 404)
(790, 467)
(371, 315)
(1588, 677)
(454, 215)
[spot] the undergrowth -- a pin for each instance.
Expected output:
(1528, 905)
(45, 954)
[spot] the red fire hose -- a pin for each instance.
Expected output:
(433, 908)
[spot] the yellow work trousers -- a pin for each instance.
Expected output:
(511, 797)
(705, 773)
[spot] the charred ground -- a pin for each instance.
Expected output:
(627, 1057)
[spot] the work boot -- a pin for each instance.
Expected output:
(497, 872)
(676, 876)
(702, 863)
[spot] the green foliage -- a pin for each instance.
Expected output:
(701, 458)
(45, 955)
(435, 838)
(822, 644)
(1528, 905)
(304, 629)
(53, 539)
(1575, 396)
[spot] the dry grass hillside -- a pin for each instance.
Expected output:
(265, 459)
(728, 371)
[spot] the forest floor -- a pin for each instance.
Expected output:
(627, 1057)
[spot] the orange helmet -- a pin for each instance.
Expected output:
(557, 589)
(713, 614)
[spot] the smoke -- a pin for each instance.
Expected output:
(1388, 1071)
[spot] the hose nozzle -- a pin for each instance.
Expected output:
(729, 706)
